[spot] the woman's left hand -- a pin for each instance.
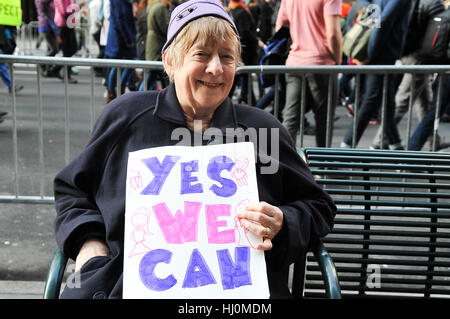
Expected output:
(263, 220)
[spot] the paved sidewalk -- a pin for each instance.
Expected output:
(21, 289)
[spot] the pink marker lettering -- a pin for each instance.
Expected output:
(181, 227)
(212, 224)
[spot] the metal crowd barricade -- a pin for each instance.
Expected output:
(334, 71)
(37, 61)
(28, 36)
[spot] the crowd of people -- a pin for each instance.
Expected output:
(137, 29)
(397, 40)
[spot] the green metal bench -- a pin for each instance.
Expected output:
(57, 268)
(391, 235)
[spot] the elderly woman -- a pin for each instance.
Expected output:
(200, 56)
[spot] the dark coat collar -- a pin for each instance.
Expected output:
(168, 108)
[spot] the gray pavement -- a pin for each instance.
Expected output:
(26, 230)
(19, 289)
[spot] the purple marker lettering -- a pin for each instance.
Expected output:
(198, 273)
(236, 274)
(212, 224)
(187, 187)
(147, 270)
(215, 166)
(160, 172)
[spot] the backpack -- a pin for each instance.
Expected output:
(435, 45)
(275, 53)
(423, 11)
(356, 40)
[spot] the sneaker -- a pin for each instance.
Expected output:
(2, 115)
(374, 122)
(72, 80)
(51, 74)
(377, 147)
(396, 147)
(442, 146)
(345, 145)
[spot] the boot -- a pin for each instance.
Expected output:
(110, 96)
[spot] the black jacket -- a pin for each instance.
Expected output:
(387, 40)
(424, 10)
(246, 27)
(90, 191)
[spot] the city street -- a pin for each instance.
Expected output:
(26, 230)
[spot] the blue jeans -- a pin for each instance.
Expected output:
(371, 104)
(425, 127)
(152, 78)
(125, 78)
(4, 74)
(269, 97)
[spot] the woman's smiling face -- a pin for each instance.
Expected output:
(206, 76)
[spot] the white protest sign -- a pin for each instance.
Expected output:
(182, 239)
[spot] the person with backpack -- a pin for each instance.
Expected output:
(428, 125)
(424, 12)
(385, 46)
(440, 52)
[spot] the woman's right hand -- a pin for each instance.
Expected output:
(91, 248)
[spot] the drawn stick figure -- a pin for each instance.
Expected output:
(245, 238)
(140, 233)
(239, 171)
(136, 180)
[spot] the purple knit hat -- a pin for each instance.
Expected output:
(191, 10)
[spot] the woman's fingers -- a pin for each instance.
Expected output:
(265, 245)
(268, 217)
(263, 220)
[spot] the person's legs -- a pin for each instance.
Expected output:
(4, 75)
(52, 49)
(68, 47)
(265, 100)
(111, 85)
(371, 102)
(421, 101)
(152, 77)
(318, 85)
(6, 78)
(426, 126)
(291, 110)
(345, 89)
(390, 125)
(244, 78)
